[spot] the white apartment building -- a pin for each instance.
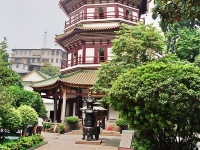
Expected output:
(25, 60)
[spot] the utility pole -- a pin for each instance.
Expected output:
(45, 40)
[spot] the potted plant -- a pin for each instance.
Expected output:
(122, 124)
(72, 121)
(44, 127)
(61, 128)
(100, 9)
(48, 126)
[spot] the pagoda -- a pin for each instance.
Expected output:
(91, 28)
(87, 41)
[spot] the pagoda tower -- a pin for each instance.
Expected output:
(91, 28)
(87, 41)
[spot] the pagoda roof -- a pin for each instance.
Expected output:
(78, 78)
(82, 29)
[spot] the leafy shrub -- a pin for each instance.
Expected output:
(61, 128)
(48, 125)
(29, 115)
(72, 120)
(121, 122)
(23, 143)
(11, 120)
(44, 125)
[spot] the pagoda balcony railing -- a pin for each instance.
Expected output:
(89, 60)
(104, 15)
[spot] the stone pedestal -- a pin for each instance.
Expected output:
(91, 142)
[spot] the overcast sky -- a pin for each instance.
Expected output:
(24, 22)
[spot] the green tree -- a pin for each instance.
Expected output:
(184, 42)
(133, 46)
(197, 61)
(161, 102)
(177, 10)
(11, 120)
(7, 76)
(30, 98)
(6, 98)
(3, 52)
(29, 116)
(50, 70)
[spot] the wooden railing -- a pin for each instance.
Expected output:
(104, 15)
(83, 61)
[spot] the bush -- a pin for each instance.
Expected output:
(11, 118)
(61, 128)
(23, 143)
(72, 120)
(48, 125)
(44, 125)
(161, 103)
(29, 115)
(121, 122)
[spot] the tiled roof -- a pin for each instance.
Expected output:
(45, 75)
(81, 77)
(83, 29)
(45, 83)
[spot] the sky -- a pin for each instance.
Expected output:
(24, 23)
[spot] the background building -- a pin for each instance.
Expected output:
(25, 60)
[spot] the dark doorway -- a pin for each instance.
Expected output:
(101, 54)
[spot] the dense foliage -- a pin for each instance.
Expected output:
(28, 114)
(184, 42)
(7, 76)
(10, 120)
(23, 143)
(29, 98)
(72, 120)
(132, 47)
(161, 102)
(50, 70)
(177, 10)
(121, 122)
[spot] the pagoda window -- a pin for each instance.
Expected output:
(101, 12)
(101, 54)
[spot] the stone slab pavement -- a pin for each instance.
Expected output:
(67, 142)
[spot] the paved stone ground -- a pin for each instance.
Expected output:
(67, 142)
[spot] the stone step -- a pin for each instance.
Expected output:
(103, 133)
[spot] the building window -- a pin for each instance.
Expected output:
(45, 60)
(30, 52)
(52, 52)
(16, 52)
(51, 60)
(24, 52)
(28, 60)
(57, 52)
(56, 60)
(17, 65)
(21, 52)
(48, 52)
(24, 67)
